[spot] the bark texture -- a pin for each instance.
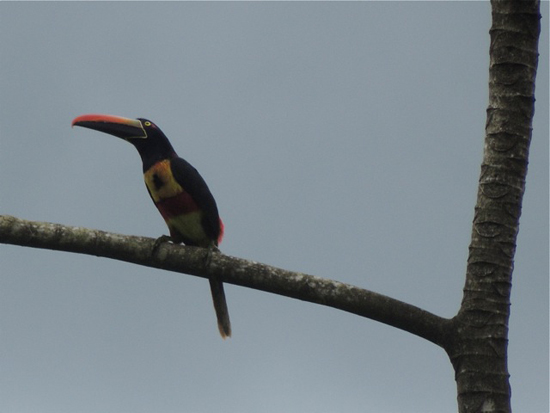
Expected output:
(479, 349)
(232, 270)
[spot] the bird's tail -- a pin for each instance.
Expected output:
(220, 305)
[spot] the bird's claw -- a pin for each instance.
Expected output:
(208, 257)
(159, 241)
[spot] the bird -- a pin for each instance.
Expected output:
(178, 191)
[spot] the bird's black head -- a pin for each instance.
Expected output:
(147, 137)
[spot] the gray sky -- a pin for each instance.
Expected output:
(340, 139)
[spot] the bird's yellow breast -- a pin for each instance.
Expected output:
(161, 182)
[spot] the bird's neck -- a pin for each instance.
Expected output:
(153, 152)
(152, 158)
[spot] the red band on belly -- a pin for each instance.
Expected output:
(180, 204)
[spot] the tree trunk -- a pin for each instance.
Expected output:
(478, 348)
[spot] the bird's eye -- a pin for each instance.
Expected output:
(147, 123)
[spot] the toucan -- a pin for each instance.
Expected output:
(177, 189)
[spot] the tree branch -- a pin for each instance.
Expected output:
(191, 260)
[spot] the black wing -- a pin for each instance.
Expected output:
(193, 183)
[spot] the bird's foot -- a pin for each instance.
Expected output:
(159, 241)
(208, 257)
